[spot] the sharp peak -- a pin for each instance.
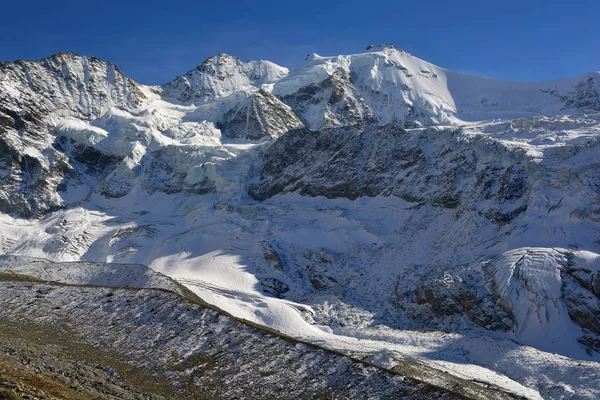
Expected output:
(61, 56)
(210, 63)
(223, 55)
(219, 57)
(76, 56)
(227, 57)
(70, 54)
(383, 46)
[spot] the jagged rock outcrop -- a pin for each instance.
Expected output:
(453, 299)
(437, 167)
(583, 96)
(261, 116)
(332, 102)
(274, 287)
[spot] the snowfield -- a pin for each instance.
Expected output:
(373, 204)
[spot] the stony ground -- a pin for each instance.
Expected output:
(71, 341)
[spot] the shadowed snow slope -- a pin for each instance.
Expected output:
(88, 273)
(530, 286)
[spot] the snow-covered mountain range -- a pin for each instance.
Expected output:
(374, 203)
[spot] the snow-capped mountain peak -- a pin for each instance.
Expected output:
(69, 83)
(220, 76)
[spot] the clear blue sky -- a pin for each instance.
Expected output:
(154, 41)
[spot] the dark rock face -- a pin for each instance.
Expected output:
(321, 270)
(596, 284)
(343, 105)
(275, 287)
(584, 310)
(23, 182)
(319, 277)
(513, 184)
(273, 257)
(583, 302)
(585, 96)
(454, 299)
(439, 168)
(261, 116)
